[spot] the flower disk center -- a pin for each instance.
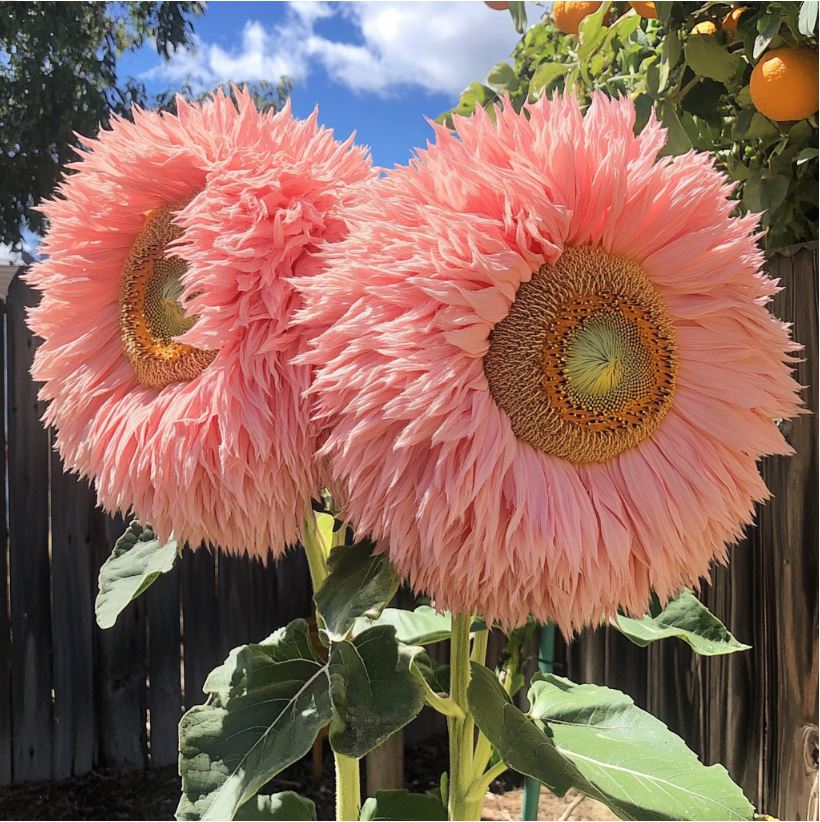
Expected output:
(585, 363)
(151, 312)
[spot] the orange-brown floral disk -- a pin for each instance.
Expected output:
(585, 363)
(151, 314)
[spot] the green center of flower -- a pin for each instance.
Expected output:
(606, 364)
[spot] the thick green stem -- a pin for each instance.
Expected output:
(315, 551)
(460, 728)
(483, 748)
(348, 792)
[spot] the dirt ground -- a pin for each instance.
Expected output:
(154, 793)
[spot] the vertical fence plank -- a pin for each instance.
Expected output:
(200, 621)
(293, 590)
(234, 593)
(121, 670)
(162, 602)
(787, 533)
(5, 627)
(28, 466)
(72, 622)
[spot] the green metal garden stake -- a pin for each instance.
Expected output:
(546, 663)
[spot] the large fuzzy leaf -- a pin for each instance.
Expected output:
(629, 759)
(359, 584)
(373, 689)
(137, 560)
(688, 619)
(597, 741)
(266, 704)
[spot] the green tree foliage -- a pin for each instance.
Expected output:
(58, 76)
(697, 85)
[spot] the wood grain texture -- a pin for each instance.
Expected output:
(121, 670)
(29, 565)
(162, 606)
(200, 622)
(5, 625)
(72, 619)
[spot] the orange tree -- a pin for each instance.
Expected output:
(711, 72)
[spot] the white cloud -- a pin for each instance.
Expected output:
(437, 46)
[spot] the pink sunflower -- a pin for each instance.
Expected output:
(546, 365)
(166, 315)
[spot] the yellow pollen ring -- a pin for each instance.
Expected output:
(585, 363)
(151, 315)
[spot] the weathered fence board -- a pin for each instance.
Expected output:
(200, 622)
(121, 668)
(162, 604)
(29, 561)
(72, 622)
(5, 627)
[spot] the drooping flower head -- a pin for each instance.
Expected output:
(546, 365)
(166, 315)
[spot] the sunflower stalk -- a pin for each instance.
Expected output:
(348, 789)
(460, 729)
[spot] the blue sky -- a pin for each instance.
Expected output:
(376, 68)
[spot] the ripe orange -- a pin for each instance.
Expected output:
(568, 15)
(784, 84)
(705, 27)
(498, 5)
(645, 9)
(731, 20)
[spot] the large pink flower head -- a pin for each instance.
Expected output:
(546, 365)
(166, 315)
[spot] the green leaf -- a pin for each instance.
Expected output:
(592, 33)
(631, 761)
(545, 75)
(518, 12)
(688, 619)
(401, 804)
(266, 704)
(502, 78)
(760, 128)
(135, 563)
(520, 743)
(807, 22)
(708, 58)
(767, 27)
(358, 584)
(664, 11)
(286, 805)
(422, 626)
(677, 140)
(805, 155)
(373, 690)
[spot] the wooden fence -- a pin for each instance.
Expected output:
(73, 697)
